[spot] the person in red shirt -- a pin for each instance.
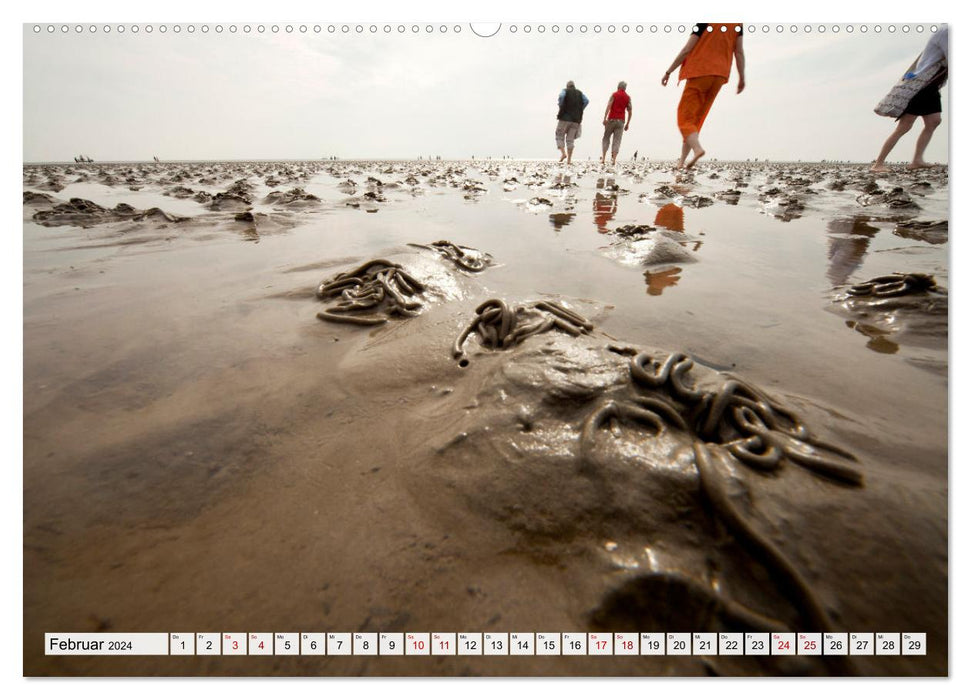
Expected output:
(614, 125)
(706, 64)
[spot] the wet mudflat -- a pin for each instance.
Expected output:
(203, 452)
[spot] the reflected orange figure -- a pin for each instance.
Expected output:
(671, 217)
(604, 209)
(657, 281)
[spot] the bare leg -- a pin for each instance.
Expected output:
(562, 154)
(685, 150)
(695, 145)
(569, 155)
(903, 126)
(931, 122)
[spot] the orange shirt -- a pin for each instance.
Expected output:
(713, 53)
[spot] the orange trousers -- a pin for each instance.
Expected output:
(696, 100)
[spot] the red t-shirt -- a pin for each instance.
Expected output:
(619, 105)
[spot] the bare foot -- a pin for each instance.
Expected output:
(694, 160)
(919, 165)
(879, 168)
(562, 158)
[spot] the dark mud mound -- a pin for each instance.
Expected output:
(226, 201)
(180, 192)
(84, 213)
(696, 201)
(729, 196)
(38, 199)
(933, 232)
(251, 226)
(296, 197)
(462, 257)
(368, 200)
(157, 215)
(241, 188)
(473, 188)
(569, 440)
(901, 308)
(664, 192)
(897, 198)
(635, 231)
(782, 204)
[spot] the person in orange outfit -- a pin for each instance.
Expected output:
(706, 64)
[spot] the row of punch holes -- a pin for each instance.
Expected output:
(457, 29)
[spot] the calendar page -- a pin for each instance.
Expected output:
(420, 347)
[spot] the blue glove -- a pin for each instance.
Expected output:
(909, 76)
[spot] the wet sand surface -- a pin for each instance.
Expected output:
(202, 453)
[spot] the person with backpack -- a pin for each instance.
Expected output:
(572, 102)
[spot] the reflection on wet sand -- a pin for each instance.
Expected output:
(879, 342)
(671, 217)
(845, 257)
(856, 225)
(659, 279)
(895, 309)
(604, 205)
(561, 219)
(846, 254)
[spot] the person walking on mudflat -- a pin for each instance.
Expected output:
(926, 104)
(572, 103)
(706, 65)
(614, 125)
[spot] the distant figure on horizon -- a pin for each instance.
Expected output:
(926, 103)
(572, 103)
(706, 65)
(635, 156)
(614, 125)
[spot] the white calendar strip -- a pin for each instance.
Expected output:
(486, 644)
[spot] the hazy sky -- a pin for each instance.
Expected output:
(128, 96)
